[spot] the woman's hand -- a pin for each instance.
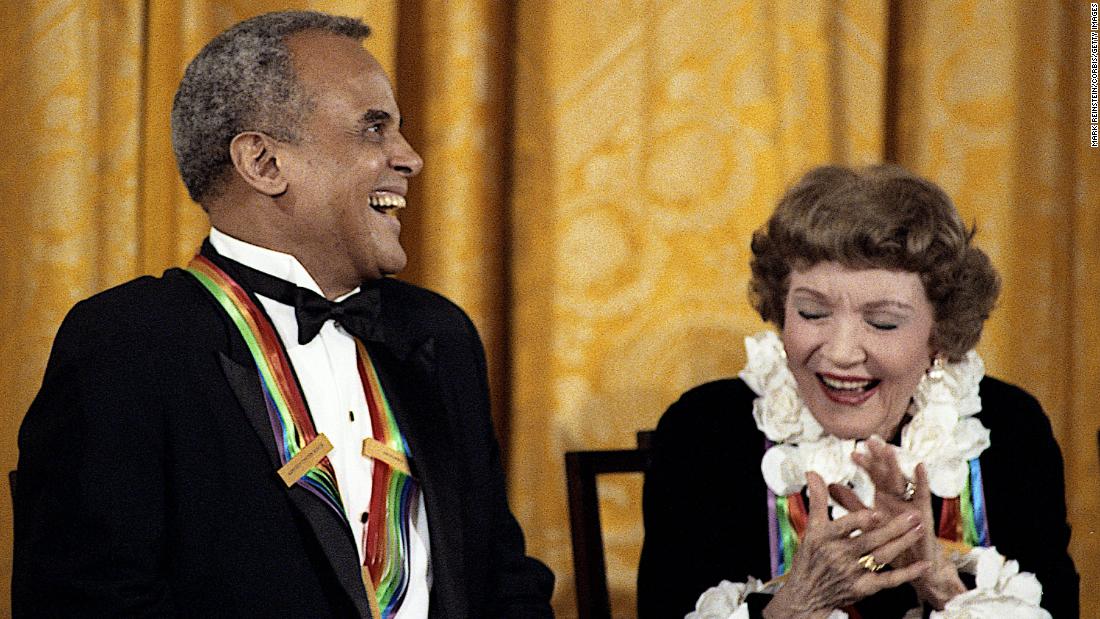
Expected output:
(941, 582)
(827, 573)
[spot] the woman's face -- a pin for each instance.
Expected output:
(857, 344)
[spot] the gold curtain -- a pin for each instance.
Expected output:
(593, 173)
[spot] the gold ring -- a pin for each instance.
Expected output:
(910, 490)
(868, 563)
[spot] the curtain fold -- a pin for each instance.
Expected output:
(994, 107)
(454, 69)
(593, 174)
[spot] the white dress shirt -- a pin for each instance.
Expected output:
(327, 371)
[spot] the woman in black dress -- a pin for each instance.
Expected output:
(861, 463)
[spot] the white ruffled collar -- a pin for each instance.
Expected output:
(942, 432)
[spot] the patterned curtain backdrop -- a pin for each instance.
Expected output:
(593, 174)
(652, 138)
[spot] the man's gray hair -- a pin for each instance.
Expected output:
(242, 80)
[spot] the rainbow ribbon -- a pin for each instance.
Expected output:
(291, 421)
(965, 518)
(393, 493)
(980, 516)
(788, 536)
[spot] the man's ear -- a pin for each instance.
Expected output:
(255, 160)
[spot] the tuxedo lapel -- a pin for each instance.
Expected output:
(412, 386)
(245, 383)
(330, 529)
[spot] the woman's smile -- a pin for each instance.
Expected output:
(848, 390)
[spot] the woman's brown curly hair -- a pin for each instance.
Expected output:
(879, 217)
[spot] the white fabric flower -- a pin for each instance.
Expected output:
(727, 601)
(971, 438)
(962, 380)
(765, 357)
(779, 411)
(783, 470)
(1002, 590)
(782, 417)
(831, 458)
(947, 477)
(960, 385)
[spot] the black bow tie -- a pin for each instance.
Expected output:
(357, 314)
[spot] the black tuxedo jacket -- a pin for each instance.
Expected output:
(706, 516)
(147, 470)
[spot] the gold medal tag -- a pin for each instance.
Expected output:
(376, 450)
(304, 460)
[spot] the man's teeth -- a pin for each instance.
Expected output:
(847, 385)
(387, 201)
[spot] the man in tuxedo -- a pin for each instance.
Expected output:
(279, 430)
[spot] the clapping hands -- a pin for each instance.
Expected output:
(834, 568)
(895, 494)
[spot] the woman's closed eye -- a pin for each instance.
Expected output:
(883, 323)
(813, 314)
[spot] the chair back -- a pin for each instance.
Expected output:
(582, 469)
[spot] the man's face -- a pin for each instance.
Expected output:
(348, 173)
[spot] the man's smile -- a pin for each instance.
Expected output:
(386, 203)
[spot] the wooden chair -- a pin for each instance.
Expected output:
(581, 471)
(11, 484)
